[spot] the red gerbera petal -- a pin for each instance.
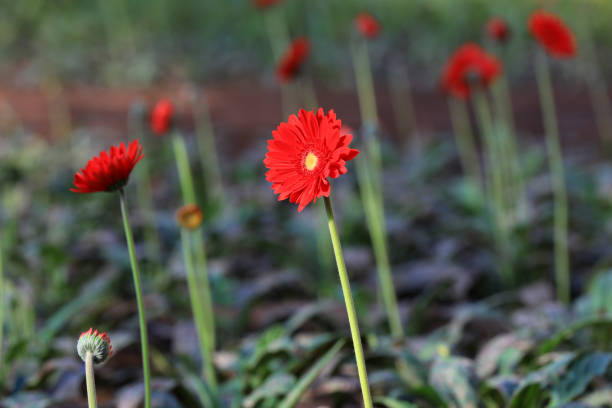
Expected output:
(108, 171)
(290, 64)
(261, 4)
(367, 25)
(304, 152)
(498, 29)
(552, 34)
(161, 117)
(468, 65)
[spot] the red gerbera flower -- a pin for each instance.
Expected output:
(292, 61)
(552, 34)
(304, 152)
(367, 25)
(161, 117)
(498, 29)
(108, 171)
(261, 4)
(469, 65)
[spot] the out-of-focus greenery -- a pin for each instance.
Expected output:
(149, 40)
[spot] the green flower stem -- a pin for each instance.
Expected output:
(1, 315)
(403, 109)
(350, 306)
(464, 138)
(209, 158)
(189, 197)
(138, 289)
(555, 158)
(378, 235)
(184, 171)
(198, 310)
(90, 381)
(365, 82)
(494, 185)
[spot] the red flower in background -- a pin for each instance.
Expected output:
(367, 25)
(304, 152)
(552, 34)
(161, 117)
(469, 65)
(290, 64)
(108, 171)
(497, 29)
(262, 4)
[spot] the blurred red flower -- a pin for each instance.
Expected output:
(497, 29)
(262, 4)
(552, 34)
(469, 65)
(290, 64)
(108, 171)
(161, 116)
(367, 25)
(304, 152)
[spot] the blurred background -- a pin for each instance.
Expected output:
(78, 76)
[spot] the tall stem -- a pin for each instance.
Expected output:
(182, 163)
(1, 314)
(557, 174)
(138, 289)
(198, 310)
(379, 244)
(495, 185)
(464, 137)
(350, 306)
(90, 381)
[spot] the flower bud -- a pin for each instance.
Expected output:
(98, 344)
(189, 216)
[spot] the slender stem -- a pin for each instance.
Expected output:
(204, 285)
(495, 185)
(350, 306)
(464, 138)
(555, 158)
(138, 289)
(90, 381)
(1, 314)
(403, 109)
(198, 310)
(182, 163)
(209, 158)
(379, 244)
(365, 82)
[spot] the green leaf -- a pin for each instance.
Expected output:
(275, 386)
(579, 374)
(393, 403)
(308, 378)
(531, 395)
(569, 331)
(455, 379)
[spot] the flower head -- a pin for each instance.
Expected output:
(367, 25)
(108, 171)
(497, 29)
(96, 343)
(262, 4)
(552, 34)
(189, 216)
(304, 152)
(469, 65)
(161, 117)
(293, 59)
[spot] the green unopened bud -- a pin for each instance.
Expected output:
(96, 343)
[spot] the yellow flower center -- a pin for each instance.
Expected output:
(310, 162)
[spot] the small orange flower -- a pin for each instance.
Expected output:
(96, 343)
(189, 216)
